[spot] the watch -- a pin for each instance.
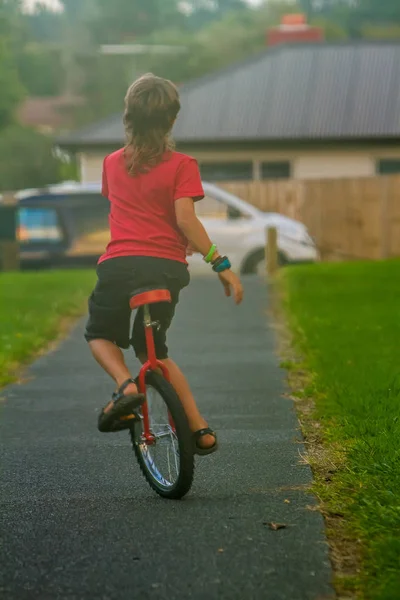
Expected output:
(221, 264)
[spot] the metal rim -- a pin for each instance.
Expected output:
(160, 458)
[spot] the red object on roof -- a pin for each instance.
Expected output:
(294, 30)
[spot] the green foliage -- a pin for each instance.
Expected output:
(355, 17)
(203, 12)
(26, 159)
(387, 11)
(44, 26)
(125, 20)
(104, 85)
(382, 32)
(41, 70)
(346, 325)
(11, 90)
(233, 38)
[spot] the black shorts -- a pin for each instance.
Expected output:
(109, 310)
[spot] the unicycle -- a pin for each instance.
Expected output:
(161, 437)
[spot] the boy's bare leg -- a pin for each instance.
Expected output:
(112, 360)
(184, 392)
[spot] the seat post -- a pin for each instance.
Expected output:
(147, 316)
(148, 329)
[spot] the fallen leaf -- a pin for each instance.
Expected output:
(286, 501)
(275, 526)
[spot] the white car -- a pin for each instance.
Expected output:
(71, 220)
(239, 230)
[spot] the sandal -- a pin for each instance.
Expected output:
(122, 414)
(199, 434)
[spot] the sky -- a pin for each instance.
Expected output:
(55, 3)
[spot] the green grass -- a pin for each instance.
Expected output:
(33, 307)
(345, 320)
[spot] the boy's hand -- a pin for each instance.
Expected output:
(232, 283)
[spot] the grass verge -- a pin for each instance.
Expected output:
(345, 326)
(34, 307)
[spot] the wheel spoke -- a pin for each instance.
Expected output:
(162, 456)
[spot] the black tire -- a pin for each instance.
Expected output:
(184, 480)
(251, 263)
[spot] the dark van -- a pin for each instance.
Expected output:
(67, 223)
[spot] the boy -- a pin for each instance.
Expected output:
(153, 226)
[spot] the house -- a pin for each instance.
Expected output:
(49, 114)
(303, 111)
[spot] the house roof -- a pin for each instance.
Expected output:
(49, 113)
(301, 92)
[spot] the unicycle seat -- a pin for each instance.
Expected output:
(149, 295)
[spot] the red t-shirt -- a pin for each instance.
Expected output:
(142, 215)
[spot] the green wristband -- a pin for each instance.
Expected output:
(210, 254)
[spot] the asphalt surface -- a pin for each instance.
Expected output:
(79, 522)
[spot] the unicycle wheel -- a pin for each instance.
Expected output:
(167, 459)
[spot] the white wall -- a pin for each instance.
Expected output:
(306, 164)
(90, 166)
(327, 165)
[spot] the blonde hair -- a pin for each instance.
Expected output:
(151, 107)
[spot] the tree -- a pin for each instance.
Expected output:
(356, 16)
(203, 12)
(41, 70)
(44, 25)
(232, 38)
(127, 20)
(26, 159)
(217, 6)
(378, 11)
(11, 90)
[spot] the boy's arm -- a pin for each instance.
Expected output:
(192, 228)
(198, 238)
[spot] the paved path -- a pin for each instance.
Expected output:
(79, 522)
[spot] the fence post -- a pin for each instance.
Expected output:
(385, 217)
(9, 246)
(271, 251)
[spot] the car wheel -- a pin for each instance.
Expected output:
(255, 263)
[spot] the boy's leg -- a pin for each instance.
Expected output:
(184, 392)
(109, 321)
(182, 388)
(111, 358)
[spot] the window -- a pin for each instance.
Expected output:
(388, 166)
(87, 220)
(227, 171)
(38, 225)
(275, 170)
(211, 208)
(88, 212)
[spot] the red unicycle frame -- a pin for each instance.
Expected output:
(162, 441)
(144, 299)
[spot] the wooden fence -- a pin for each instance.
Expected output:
(348, 218)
